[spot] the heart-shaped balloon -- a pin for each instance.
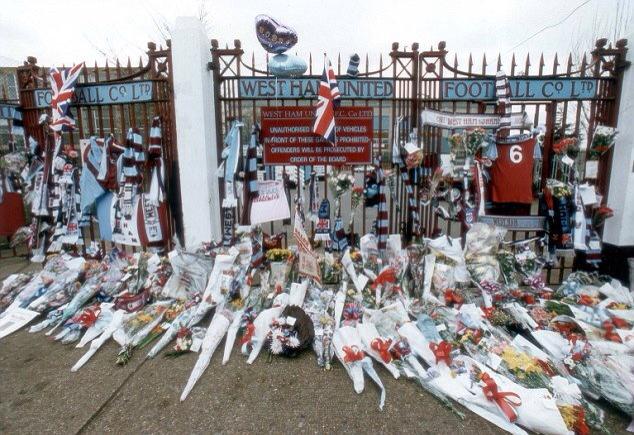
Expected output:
(274, 37)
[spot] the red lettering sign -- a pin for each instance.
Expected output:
(288, 140)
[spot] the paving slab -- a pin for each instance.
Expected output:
(280, 396)
(38, 392)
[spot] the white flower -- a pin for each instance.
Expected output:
(276, 346)
(293, 341)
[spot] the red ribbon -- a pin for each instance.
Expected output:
(504, 399)
(248, 333)
(488, 311)
(442, 351)
(88, 316)
(383, 348)
(452, 297)
(586, 300)
(620, 323)
(581, 428)
(386, 276)
(609, 332)
(352, 354)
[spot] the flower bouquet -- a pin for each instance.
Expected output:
(112, 326)
(331, 269)
(136, 326)
(340, 183)
(11, 286)
(190, 273)
(602, 140)
(74, 326)
(280, 261)
(481, 246)
(532, 408)
(475, 139)
(599, 215)
(217, 329)
(319, 305)
(348, 348)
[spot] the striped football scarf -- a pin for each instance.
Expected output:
(411, 202)
(251, 173)
(503, 94)
(156, 194)
(381, 216)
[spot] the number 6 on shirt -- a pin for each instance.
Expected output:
(515, 153)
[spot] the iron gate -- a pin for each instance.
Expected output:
(99, 118)
(417, 77)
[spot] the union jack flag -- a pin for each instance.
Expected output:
(329, 98)
(63, 86)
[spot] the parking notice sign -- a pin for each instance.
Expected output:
(288, 139)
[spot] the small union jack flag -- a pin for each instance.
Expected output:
(329, 98)
(63, 86)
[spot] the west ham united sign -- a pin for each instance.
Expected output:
(526, 89)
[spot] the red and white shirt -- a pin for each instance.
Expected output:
(512, 171)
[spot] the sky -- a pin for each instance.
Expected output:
(89, 30)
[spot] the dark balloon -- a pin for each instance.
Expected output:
(274, 37)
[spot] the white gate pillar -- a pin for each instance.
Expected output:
(195, 131)
(619, 230)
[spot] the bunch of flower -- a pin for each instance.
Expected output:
(474, 140)
(600, 214)
(567, 145)
(330, 270)
(456, 141)
(278, 254)
(357, 197)
(341, 183)
(602, 140)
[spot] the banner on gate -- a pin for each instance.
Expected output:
(467, 120)
(288, 139)
(271, 203)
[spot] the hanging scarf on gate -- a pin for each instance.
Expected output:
(381, 216)
(231, 155)
(479, 187)
(251, 177)
(412, 212)
(339, 239)
(131, 175)
(156, 194)
(313, 193)
(396, 150)
(251, 173)
(322, 229)
(503, 94)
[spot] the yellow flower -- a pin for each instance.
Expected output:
(519, 361)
